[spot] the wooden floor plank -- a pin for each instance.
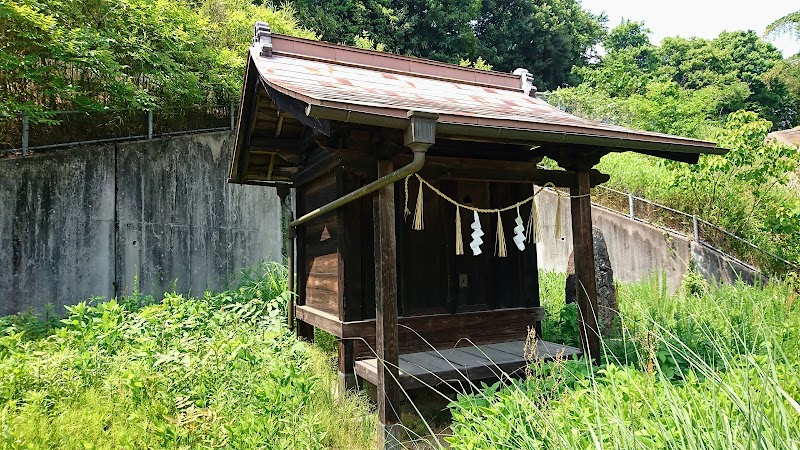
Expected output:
(429, 360)
(515, 348)
(489, 353)
(455, 366)
(460, 358)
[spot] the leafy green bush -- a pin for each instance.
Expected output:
(139, 54)
(220, 371)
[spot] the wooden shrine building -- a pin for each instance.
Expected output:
(365, 137)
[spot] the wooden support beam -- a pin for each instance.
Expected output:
(259, 144)
(261, 183)
(388, 395)
(244, 126)
(297, 109)
(347, 361)
(581, 210)
(271, 166)
(444, 168)
(318, 169)
(349, 248)
(475, 324)
(244, 162)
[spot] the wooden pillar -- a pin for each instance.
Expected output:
(386, 312)
(304, 330)
(289, 235)
(347, 376)
(581, 210)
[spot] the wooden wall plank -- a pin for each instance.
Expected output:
(317, 259)
(476, 268)
(423, 254)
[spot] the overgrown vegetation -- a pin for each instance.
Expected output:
(220, 371)
(708, 369)
(500, 32)
(750, 192)
(712, 367)
(725, 90)
(139, 54)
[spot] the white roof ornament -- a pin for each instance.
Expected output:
(263, 37)
(526, 81)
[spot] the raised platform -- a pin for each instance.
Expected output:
(457, 365)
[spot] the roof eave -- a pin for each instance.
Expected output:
(512, 132)
(246, 109)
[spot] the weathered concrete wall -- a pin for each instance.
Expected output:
(638, 251)
(56, 228)
(91, 221)
(720, 268)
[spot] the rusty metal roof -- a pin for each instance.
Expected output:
(353, 85)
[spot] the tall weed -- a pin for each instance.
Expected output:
(220, 371)
(709, 371)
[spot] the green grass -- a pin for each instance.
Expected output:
(715, 369)
(710, 368)
(640, 174)
(763, 216)
(220, 371)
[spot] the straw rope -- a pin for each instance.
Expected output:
(487, 210)
(532, 233)
(500, 243)
(482, 210)
(419, 223)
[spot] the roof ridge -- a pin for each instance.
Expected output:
(391, 62)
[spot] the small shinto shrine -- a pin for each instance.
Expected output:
(413, 220)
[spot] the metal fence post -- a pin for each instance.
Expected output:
(25, 131)
(696, 226)
(233, 116)
(149, 124)
(630, 205)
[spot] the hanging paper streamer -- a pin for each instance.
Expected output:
(557, 228)
(533, 223)
(519, 232)
(475, 245)
(500, 245)
(459, 240)
(522, 233)
(419, 224)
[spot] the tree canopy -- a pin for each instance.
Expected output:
(547, 37)
(95, 54)
(141, 54)
(683, 85)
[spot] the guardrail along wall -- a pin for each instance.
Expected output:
(637, 250)
(97, 220)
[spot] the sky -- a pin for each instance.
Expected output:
(701, 18)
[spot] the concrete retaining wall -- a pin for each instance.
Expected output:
(638, 251)
(92, 221)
